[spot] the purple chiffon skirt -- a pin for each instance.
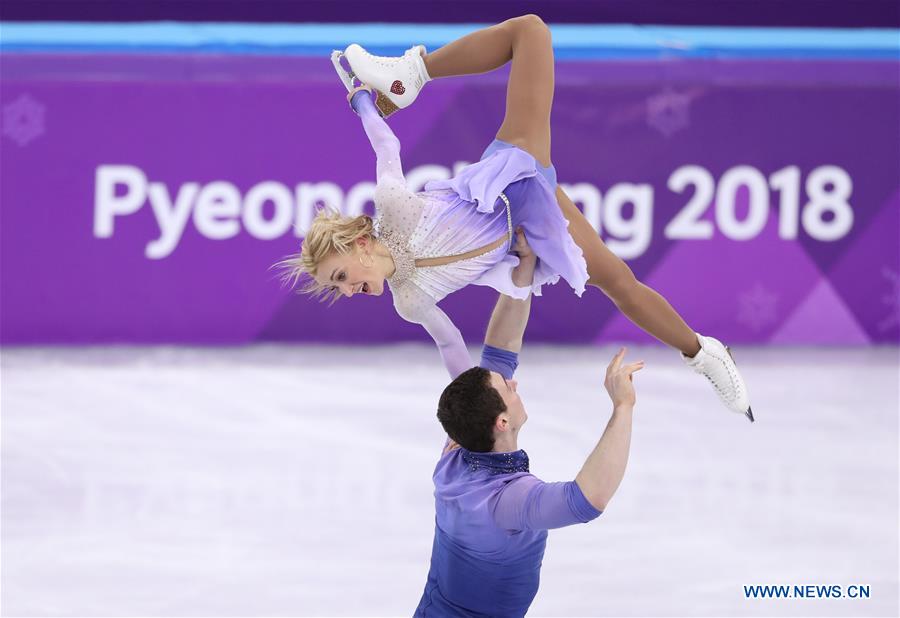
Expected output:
(531, 190)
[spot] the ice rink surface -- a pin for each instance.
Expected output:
(296, 481)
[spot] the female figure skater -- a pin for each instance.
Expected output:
(458, 232)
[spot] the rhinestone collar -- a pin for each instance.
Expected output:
(496, 463)
(404, 261)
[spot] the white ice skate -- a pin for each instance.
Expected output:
(396, 81)
(714, 361)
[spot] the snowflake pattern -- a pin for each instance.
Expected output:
(757, 308)
(891, 299)
(23, 120)
(669, 112)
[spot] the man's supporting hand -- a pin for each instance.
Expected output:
(523, 274)
(510, 316)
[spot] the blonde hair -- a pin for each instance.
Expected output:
(330, 232)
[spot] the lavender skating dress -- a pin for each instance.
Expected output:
(460, 215)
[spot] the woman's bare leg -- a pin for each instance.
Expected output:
(526, 41)
(479, 52)
(529, 96)
(639, 303)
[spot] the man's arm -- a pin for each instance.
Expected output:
(503, 339)
(507, 325)
(527, 503)
(605, 466)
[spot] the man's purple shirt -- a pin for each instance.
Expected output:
(491, 522)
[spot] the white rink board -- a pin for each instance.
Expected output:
(296, 481)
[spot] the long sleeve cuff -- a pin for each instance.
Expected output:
(503, 362)
(361, 100)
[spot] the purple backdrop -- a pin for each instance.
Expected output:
(819, 13)
(144, 197)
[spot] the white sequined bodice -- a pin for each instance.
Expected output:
(432, 225)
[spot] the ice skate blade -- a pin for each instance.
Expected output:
(345, 76)
(749, 412)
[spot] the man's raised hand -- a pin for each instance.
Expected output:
(618, 380)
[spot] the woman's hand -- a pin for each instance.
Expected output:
(354, 91)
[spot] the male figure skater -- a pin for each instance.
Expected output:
(492, 515)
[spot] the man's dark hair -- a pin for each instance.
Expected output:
(468, 408)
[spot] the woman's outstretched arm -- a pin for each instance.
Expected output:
(449, 340)
(414, 305)
(384, 142)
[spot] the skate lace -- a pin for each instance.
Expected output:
(386, 62)
(723, 393)
(733, 386)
